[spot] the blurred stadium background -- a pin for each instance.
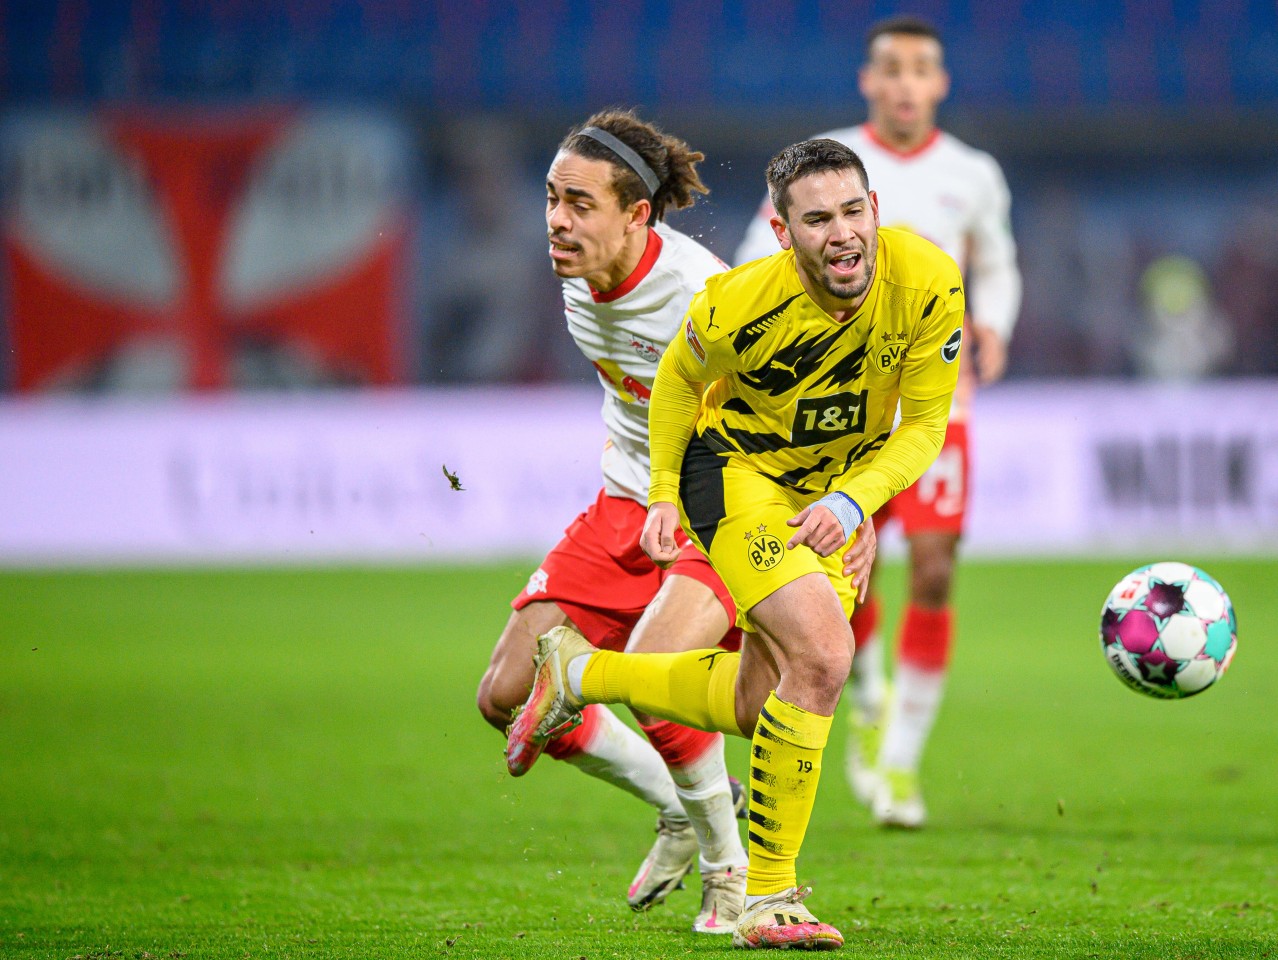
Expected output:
(257, 203)
(270, 270)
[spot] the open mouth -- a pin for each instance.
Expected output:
(559, 250)
(845, 264)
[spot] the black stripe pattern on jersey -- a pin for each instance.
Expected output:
(749, 335)
(847, 370)
(729, 439)
(865, 447)
(701, 490)
(794, 478)
(799, 360)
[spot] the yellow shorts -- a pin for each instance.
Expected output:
(738, 518)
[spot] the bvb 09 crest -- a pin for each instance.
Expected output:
(764, 549)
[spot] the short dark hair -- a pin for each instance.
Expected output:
(906, 24)
(803, 159)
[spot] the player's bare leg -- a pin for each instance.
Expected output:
(686, 615)
(926, 636)
(805, 635)
(601, 746)
(735, 693)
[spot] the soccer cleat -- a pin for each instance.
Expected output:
(861, 762)
(666, 864)
(722, 899)
(740, 799)
(898, 802)
(781, 921)
(551, 710)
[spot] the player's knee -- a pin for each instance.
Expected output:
(931, 580)
(822, 673)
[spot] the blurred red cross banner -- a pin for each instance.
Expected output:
(205, 249)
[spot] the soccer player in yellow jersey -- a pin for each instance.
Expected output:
(771, 433)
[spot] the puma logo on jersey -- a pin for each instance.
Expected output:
(783, 366)
(710, 324)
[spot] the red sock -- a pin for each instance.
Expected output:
(926, 637)
(865, 621)
(578, 739)
(678, 745)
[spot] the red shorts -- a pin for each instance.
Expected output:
(938, 500)
(601, 578)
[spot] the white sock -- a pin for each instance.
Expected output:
(703, 789)
(868, 682)
(576, 670)
(914, 707)
(618, 755)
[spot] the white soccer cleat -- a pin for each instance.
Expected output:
(666, 864)
(861, 762)
(898, 802)
(551, 709)
(782, 922)
(722, 900)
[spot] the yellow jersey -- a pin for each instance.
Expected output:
(804, 399)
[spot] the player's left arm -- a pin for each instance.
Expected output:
(929, 374)
(993, 278)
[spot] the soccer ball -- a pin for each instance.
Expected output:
(1168, 630)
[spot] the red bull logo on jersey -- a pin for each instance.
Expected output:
(694, 342)
(646, 351)
(628, 388)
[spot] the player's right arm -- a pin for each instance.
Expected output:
(682, 374)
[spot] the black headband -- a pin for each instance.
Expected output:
(623, 152)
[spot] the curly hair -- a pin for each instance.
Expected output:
(671, 159)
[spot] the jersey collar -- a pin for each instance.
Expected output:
(651, 251)
(882, 144)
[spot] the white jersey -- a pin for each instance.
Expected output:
(624, 332)
(946, 191)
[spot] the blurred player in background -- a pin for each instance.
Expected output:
(627, 282)
(942, 189)
(808, 355)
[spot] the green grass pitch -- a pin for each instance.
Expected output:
(260, 763)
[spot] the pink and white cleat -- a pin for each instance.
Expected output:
(551, 710)
(781, 922)
(722, 898)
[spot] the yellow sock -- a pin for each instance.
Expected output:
(696, 688)
(785, 768)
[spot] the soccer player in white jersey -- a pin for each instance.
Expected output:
(627, 282)
(954, 195)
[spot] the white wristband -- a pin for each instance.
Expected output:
(845, 509)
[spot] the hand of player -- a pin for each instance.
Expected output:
(859, 558)
(991, 353)
(819, 528)
(658, 536)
